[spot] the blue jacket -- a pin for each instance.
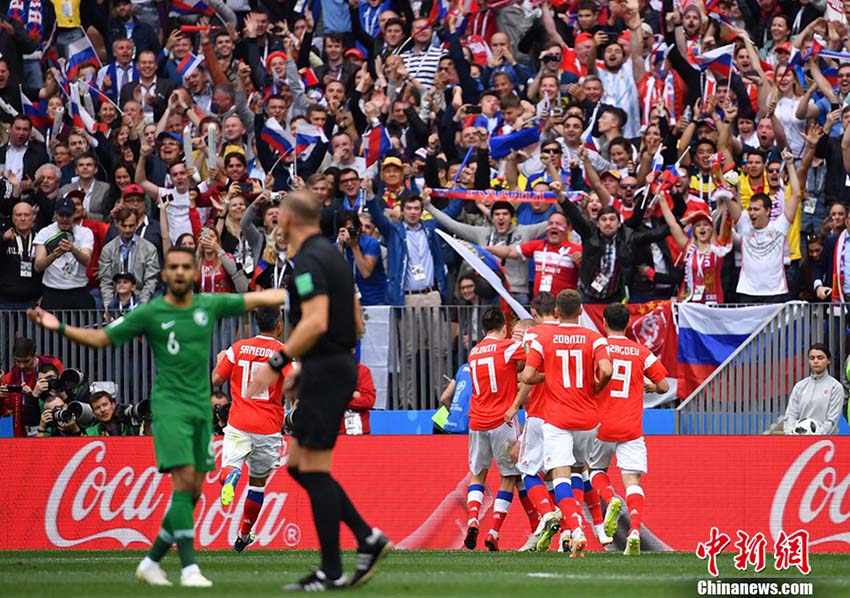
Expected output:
(396, 240)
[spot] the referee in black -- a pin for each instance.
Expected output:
(326, 315)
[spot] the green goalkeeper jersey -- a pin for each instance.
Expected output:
(180, 339)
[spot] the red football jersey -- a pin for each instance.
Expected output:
(262, 413)
(570, 356)
(533, 336)
(493, 370)
(554, 268)
(621, 401)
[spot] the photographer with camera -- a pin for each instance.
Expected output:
(66, 411)
(363, 254)
(220, 410)
(20, 381)
(111, 420)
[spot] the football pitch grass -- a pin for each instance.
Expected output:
(92, 574)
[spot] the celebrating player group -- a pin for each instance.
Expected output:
(583, 395)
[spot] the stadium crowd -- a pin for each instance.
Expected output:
(628, 108)
(631, 150)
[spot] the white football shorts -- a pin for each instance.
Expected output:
(530, 460)
(262, 451)
(631, 455)
(485, 446)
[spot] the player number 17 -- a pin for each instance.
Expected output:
(491, 370)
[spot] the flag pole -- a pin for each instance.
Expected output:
(463, 165)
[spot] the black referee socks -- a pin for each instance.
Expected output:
(327, 513)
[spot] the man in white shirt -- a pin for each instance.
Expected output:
(177, 196)
(63, 251)
(762, 278)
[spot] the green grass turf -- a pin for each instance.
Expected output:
(405, 573)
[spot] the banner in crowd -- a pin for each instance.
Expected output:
(107, 494)
(652, 324)
(709, 335)
(375, 349)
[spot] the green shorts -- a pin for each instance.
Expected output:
(183, 441)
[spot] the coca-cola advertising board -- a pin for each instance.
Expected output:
(107, 494)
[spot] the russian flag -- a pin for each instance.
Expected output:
(276, 137)
(192, 7)
(80, 53)
(503, 145)
(439, 10)
(708, 335)
(307, 136)
(309, 78)
(831, 75)
(188, 65)
(78, 113)
(718, 60)
(374, 144)
(714, 12)
(37, 114)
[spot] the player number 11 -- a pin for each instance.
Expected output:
(565, 355)
(249, 368)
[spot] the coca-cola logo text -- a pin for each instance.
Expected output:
(824, 494)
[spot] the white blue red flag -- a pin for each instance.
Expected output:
(307, 136)
(718, 60)
(36, 113)
(80, 53)
(192, 7)
(374, 144)
(279, 140)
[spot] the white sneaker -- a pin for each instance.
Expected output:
(564, 541)
(194, 579)
(530, 544)
(599, 530)
(633, 544)
(577, 544)
(151, 573)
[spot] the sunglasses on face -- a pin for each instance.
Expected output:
(628, 185)
(774, 170)
(550, 150)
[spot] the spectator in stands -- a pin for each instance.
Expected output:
(416, 273)
(23, 373)
(21, 156)
(220, 403)
(502, 233)
(128, 253)
(356, 420)
(762, 278)
(363, 254)
(21, 285)
(96, 192)
(831, 278)
(818, 397)
(63, 250)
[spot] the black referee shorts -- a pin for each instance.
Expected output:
(325, 388)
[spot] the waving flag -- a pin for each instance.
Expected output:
(273, 134)
(82, 119)
(309, 78)
(831, 75)
(37, 114)
(374, 144)
(503, 145)
(188, 65)
(713, 9)
(307, 136)
(192, 7)
(80, 53)
(439, 10)
(488, 267)
(718, 60)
